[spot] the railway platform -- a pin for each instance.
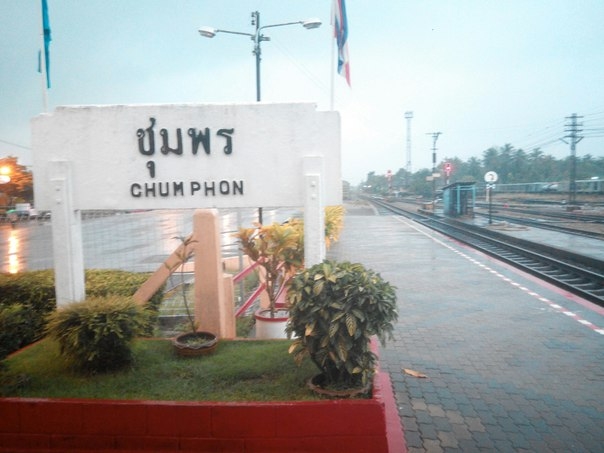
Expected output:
(484, 357)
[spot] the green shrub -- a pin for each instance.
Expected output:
(35, 291)
(96, 334)
(335, 309)
(16, 329)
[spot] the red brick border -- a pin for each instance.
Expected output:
(31, 424)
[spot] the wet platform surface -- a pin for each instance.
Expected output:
(512, 364)
(573, 243)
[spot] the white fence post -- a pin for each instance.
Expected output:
(314, 211)
(66, 237)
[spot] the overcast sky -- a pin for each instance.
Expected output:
(482, 72)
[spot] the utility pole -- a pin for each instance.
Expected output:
(572, 130)
(408, 117)
(434, 139)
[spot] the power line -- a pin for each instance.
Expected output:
(14, 144)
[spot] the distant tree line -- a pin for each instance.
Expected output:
(511, 165)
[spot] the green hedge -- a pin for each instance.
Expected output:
(34, 291)
(14, 322)
(29, 295)
(102, 283)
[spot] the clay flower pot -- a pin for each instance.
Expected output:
(194, 344)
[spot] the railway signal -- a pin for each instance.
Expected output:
(447, 172)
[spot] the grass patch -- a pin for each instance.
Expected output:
(237, 371)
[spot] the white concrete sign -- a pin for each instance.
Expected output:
(186, 156)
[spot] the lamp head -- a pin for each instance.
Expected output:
(207, 32)
(311, 23)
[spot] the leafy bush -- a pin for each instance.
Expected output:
(335, 309)
(96, 334)
(15, 329)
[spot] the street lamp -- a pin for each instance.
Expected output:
(257, 37)
(5, 172)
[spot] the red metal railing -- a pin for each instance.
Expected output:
(255, 294)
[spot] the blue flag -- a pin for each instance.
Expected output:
(47, 39)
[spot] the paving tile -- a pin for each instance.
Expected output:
(447, 439)
(475, 425)
(427, 431)
(423, 417)
(409, 423)
(468, 445)
(435, 411)
(482, 440)
(433, 446)
(461, 432)
(454, 417)
(413, 439)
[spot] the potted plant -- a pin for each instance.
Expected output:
(335, 309)
(278, 250)
(192, 342)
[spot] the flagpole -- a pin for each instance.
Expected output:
(333, 57)
(42, 57)
(43, 79)
(333, 72)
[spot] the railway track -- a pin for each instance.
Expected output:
(578, 274)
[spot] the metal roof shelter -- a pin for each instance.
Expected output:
(459, 199)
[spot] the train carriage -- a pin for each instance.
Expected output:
(588, 186)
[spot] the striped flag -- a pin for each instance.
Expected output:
(47, 39)
(340, 30)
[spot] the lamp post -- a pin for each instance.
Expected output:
(257, 37)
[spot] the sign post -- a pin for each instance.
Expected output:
(490, 178)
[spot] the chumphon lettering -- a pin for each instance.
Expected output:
(169, 189)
